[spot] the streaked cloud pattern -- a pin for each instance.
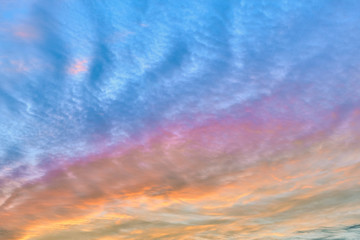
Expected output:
(179, 120)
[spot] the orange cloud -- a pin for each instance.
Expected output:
(78, 67)
(191, 184)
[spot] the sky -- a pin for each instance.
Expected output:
(204, 119)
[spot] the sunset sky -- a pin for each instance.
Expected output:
(179, 120)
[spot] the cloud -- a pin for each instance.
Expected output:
(194, 179)
(179, 120)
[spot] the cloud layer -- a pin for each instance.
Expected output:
(179, 120)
